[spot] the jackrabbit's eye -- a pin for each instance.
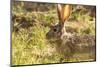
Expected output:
(55, 30)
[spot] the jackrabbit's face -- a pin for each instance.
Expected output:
(54, 32)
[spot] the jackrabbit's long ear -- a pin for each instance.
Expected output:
(59, 9)
(64, 12)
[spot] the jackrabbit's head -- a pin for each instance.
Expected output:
(57, 31)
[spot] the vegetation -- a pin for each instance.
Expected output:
(30, 24)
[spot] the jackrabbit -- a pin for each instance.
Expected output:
(58, 34)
